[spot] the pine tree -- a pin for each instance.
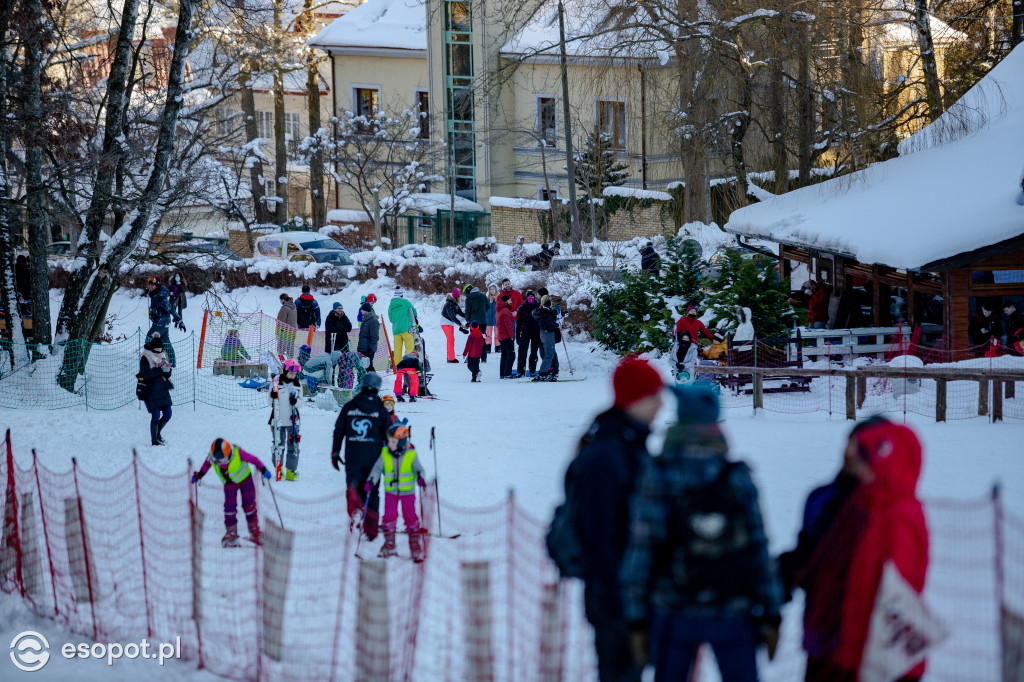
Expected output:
(631, 316)
(680, 274)
(597, 166)
(751, 283)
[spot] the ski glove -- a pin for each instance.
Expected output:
(293, 399)
(180, 325)
(419, 329)
(336, 460)
(368, 487)
(266, 473)
(195, 478)
(421, 482)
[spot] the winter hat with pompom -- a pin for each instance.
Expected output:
(634, 379)
(398, 292)
(456, 293)
(155, 343)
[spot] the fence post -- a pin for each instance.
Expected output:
(11, 538)
(997, 512)
(756, 383)
(202, 339)
(46, 535)
(86, 549)
(511, 581)
(862, 391)
(982, 397)
(851, 396)
(309, 338)
(142, 542)
(1011, 389)
(940, 400)
(997, 400)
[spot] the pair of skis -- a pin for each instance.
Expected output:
(281, 449)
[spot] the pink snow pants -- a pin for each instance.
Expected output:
(391, 501)
(414, 381)
(449, 335)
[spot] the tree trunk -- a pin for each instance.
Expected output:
(1017, 27)
(261, 213)
(777, 126)
(8, 294)
(932, 86)
(318, 200)
(280, 144)
(86, 303)
(739, 132)
(805, 109)
(694, 83)
(575, 233)
(35, 189)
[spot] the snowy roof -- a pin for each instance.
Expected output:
(294, 83)
(378, 24)
(342, 216)
(636, 193)
(591, 30)
(898, 26)
(428, 203)
(954, 188)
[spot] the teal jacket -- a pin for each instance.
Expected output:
(402, 315)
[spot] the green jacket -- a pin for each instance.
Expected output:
(402, 316)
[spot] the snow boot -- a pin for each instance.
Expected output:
(230, 538)
(453, 361)
(254, 532)
(416, 548)
(399, 398)
(537, 377)
(514, 375)
(388, 549)
(291, 475)
(412, 398)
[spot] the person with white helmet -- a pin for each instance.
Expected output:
(233, 465)
(285, 391)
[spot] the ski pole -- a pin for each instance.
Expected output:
(437, 492)
(569, 361)
(362, 526)
(274, 498)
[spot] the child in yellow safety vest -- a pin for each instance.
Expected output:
(232, 466)
(402, 472)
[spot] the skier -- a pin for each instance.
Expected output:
(285, 391)
(409, 367)
(476, 311)
(690, 323)
(232, 350)
(336, 329)
(527, 336)
(369, 333)
(404, 324)
(389, 405)
(155, 373)
(548, 326)
(402, 471)
(450, 315)
(474, 349)
(505, 334)
(307, 310)
(231, 464)
(517, 259)
(323, 367)
(363, 424)
(686, 359)
(161, 312)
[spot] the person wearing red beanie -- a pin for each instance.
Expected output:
(601, 480)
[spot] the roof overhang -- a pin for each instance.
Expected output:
(362, 51)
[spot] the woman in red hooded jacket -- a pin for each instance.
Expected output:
(883, 521)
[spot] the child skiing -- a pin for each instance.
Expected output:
(389, 405)
(474, 351)
(686, 359)
(231, 464)
(402, 473)
(285, 392)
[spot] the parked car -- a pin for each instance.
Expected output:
(336, 256)
(58, 250)
(192, 250)
(287, 244)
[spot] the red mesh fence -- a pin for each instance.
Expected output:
(976, 384)
(134, 555)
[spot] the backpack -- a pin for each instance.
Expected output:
(305, 315)
(141, 387)
(712, 547)
(562, 540)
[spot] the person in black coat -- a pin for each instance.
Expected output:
(527, 334)
(1014, 327)
(369, 335)
(476, 311)
(547, 323)
(985, 325)
(363, 425)
(603, 475)
(650, 261)
(23, 282)
(155, 372)
(336, 329)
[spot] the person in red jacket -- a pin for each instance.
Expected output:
(690, 323)
(505, 335)
(817, 305)
(516, 297)
(474, 350)
(882, 521)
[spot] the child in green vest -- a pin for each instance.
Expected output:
(402, 472)
(233, 465)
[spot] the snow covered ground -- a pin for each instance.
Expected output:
(523, 434)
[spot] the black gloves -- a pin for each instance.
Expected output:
(180, 325)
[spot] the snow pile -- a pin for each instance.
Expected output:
(636, 193)
(915, 209)
(345, 215)
(513, 202)
(428, 203)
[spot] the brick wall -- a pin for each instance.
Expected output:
(624, 224)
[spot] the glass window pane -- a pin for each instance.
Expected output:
(457, 16)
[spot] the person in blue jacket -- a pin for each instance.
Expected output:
(161, 312)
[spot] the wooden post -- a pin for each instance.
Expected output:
(876, 296)
(982, 397)
(997, 400)
(758, 380)
(851, 397)
(309, 338)
(940, 400)
(862, 391)
(799, 348)
(1011, 389)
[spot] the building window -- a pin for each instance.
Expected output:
(611, 119)
(367, 103)
(291, 127)
(223, 118)
(269, 188)
(422, 110)
(460, 122)
(547, 121)
(545, 194)
(265, 125)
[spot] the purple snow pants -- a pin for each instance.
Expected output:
(248, 490)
